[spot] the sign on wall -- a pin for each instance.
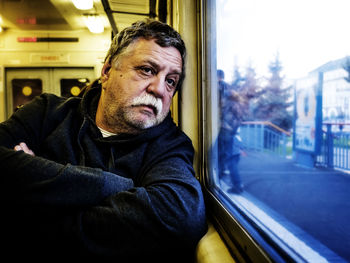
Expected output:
(308, 117)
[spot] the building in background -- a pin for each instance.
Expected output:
(335, 90)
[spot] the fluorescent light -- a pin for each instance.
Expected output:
(94, 23)
(83, 4)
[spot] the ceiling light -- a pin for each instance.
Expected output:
(94, 23)
(83, 4)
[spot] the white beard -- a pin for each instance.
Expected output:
(149, 100)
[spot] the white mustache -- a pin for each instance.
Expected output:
(148, 100)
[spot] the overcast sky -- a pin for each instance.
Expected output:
(305, 33)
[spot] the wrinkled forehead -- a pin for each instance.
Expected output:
(149, 50)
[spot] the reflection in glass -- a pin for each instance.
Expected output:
(229, 143)
(285, 98)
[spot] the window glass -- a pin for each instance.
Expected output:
(281, 149)
(24, 90)
(72, 87)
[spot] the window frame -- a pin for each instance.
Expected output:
(246, 237)
(238, 240)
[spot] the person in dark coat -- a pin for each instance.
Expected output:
(106, 176)
(229, 145)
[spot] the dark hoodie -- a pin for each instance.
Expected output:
(123, 198)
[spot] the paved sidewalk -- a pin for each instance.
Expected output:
(316, 200)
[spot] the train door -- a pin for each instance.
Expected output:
(23, 84)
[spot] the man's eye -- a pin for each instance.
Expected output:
(171, 82)
(147, 70)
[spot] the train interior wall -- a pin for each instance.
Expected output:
(20, 49)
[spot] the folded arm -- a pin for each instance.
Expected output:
(102, 213)
(23, 147)
(165, 211)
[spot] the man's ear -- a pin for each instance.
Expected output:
(105, 71)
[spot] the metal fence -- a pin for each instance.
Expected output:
(264, 136)
(335, 149)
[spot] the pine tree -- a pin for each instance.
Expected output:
(237, 79)
(250, 90)
(272, 104)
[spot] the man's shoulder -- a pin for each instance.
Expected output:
(174, 140)
(48, 107)
(173, 132)
(49, 99)
(58, 103)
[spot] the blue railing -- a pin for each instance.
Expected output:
(264, 136)
(267, 137)
(335, 149)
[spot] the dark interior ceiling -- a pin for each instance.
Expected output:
(62, 14)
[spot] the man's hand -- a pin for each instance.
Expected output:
(23, 147)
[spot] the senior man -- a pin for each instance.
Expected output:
(106, 175)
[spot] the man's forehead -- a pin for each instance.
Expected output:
(149, 50)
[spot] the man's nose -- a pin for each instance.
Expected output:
(157, 86)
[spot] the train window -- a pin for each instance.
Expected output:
(278, 127)
(24, 90)
(72, 87)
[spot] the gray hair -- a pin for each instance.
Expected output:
(163, 34)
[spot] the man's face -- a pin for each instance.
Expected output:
(137, 88)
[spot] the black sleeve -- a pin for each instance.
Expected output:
(163, 216)
(67, 209)
(38, 180)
